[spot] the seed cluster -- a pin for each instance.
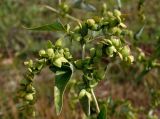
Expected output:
(53, 56)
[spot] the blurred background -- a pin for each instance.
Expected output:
(18, 44)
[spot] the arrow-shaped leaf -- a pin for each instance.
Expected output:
(119, 4)
(63, 75)
(139, 33)
(85, 102)
(55, 26)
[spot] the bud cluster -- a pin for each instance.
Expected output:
(109, 25)
(54, 56)
(105, 33)
(114, 46)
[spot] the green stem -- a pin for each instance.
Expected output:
(92, 92)
(119, 4)
(95, 101)
(83, 51)
(67, 15)
(59, 2)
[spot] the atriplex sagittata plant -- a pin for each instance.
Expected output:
(102, 39)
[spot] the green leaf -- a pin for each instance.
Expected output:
(63, 75)
(103, 113)
(49, 44)
(55, 26)
(138, 34)
(119, 4)
(85, 102)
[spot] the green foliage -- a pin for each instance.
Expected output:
(103, 40)
(56, 26)
(62, 77)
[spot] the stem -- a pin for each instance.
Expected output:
(95, 100)
(67, 15)
(59, 2)
(92, 92)
(83, 51)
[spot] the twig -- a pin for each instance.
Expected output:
(59, 2)
(58, 12)
(95, 101)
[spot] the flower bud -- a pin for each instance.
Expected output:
(110, 51)
(141, 56)
(29, 63)
(125, 51)
(57, 55)
(110, 14)
(42, 53)
(116, 30)
(58, 62)
(26, 63)
(95, 27)
(123, 25)
(104, 8)
(65, 8)
(117, 13)
(116, 42)
(130, 59)
(58, 43)
(50, 52)
(90, 22)
(82, 93)
(108, 42)
(67, 55)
